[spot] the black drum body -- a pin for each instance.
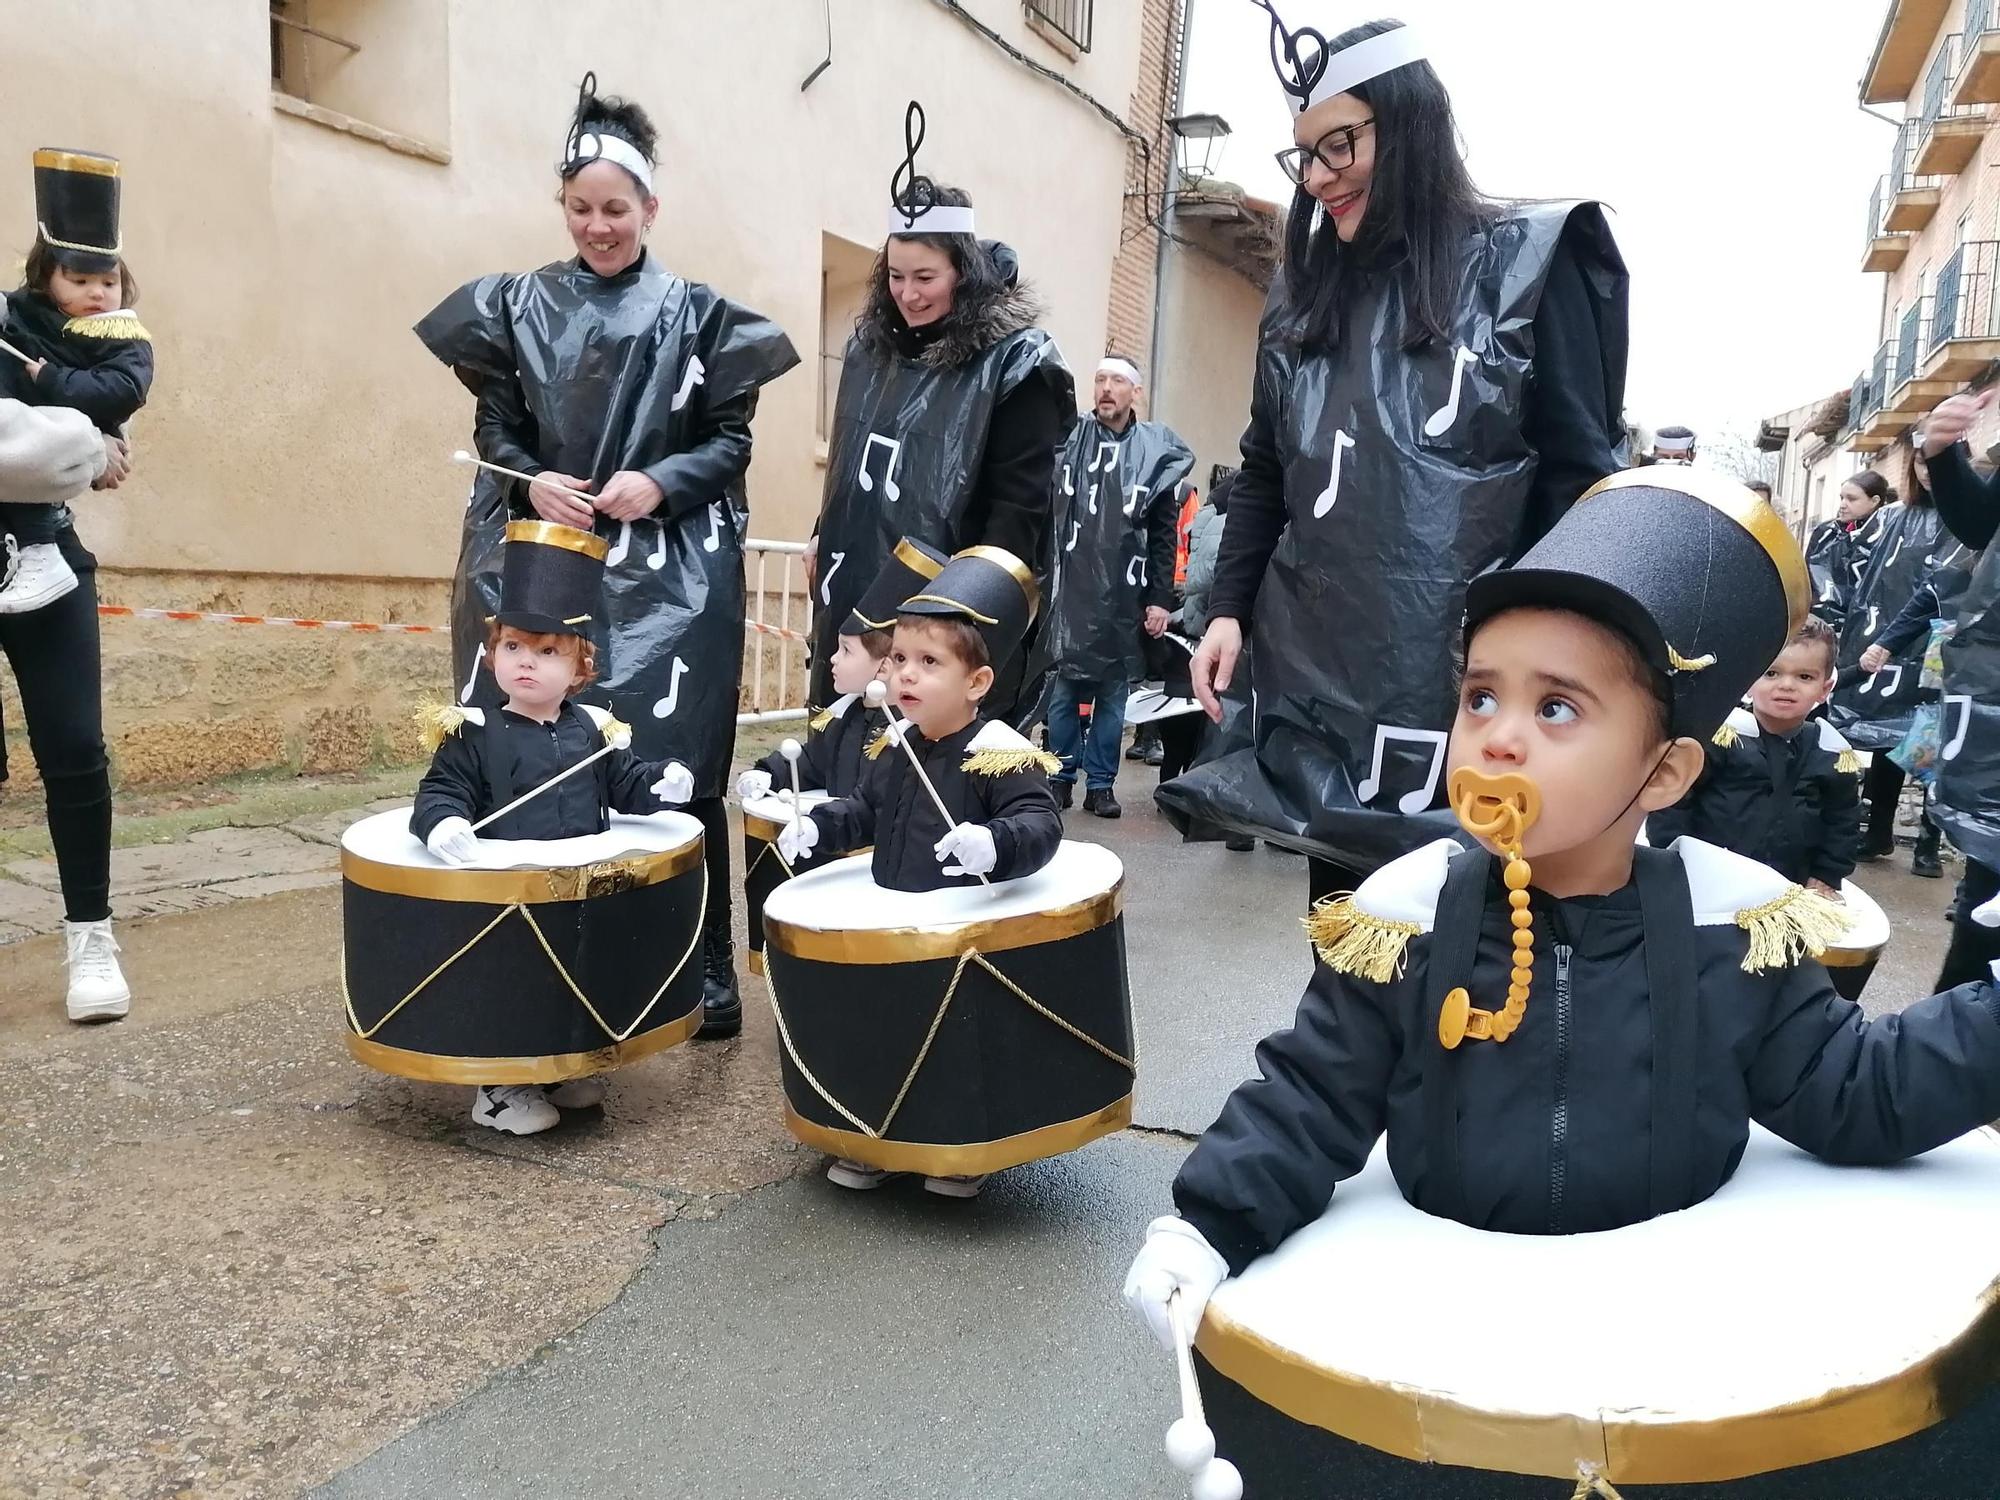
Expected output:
(535, 975)
(764, 868)
(953, 1032)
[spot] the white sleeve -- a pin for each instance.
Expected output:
(48, 454)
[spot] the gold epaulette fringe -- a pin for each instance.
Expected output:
(116, 325)
(877, 745)
(1350, 941)
(1799, 924)
(1006, 762)
(820, 720)
(435, 721)
(1725, 736)
(1847, 763)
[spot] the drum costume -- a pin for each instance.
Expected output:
(1661, 1020)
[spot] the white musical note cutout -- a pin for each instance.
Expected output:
(693, 376)
(1093, 497)
(1341, 443)
(657, 558)
(1874, 619)
(1132, 504)
(1885, 681)
(1387, 734)
(867, 480)
(620, 547)
(1069, 485)
(472, 679)
(713, 540)
(1106, 460)
(1444, 416)
(1957, 742)
(664, 707)
(1075, 530)
(826, 583)
(1136, 565)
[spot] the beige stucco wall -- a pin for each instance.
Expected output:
(298, 438)
(1208, 356)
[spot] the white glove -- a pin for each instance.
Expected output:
(454, 842)
(675, 786)
(1175, 1258)
(971, 844)
(1988, 913)
(753, 784)
(797, 839)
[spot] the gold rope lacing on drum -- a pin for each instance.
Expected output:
(536, 928)
(965, 959)
(772, 850)
(1590, 1482)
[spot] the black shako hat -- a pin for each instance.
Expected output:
(1695, 569)
(909, 570)
(551, 577)
(76, 208)
(989, 586)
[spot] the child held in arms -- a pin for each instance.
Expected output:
(1559, 1031)
(836, 747)
(1779, 786)
(541, 655)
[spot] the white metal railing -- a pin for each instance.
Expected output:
(758, 626)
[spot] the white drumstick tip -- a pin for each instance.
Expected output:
(1219, 1481)
(461, 457)
(622, 740)
(877, 694)
(791, 750)
(1190, 1444)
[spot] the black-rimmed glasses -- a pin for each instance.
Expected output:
(1335, 152)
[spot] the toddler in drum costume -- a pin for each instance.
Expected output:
(835, 752)
(950, 639)
(85, 349)
(541, 655)
(1655, 1000)
(1780, 786)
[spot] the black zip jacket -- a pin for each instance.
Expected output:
(1644, 1053)
(834, 756)
(104, 378)
(892, 811)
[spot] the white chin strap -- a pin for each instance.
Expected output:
(618, 151)
(1368, 59)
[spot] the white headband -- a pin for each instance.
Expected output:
(1663, 443)
(1112, 365)
(616, 150)
(1363, 61)
(945, 220)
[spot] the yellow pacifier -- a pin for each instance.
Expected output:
(1500, 810)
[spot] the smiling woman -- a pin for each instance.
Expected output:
(1438, 378)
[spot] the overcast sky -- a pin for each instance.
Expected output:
(1724, 134)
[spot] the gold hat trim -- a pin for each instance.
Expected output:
(965, 609)
(1000, 557)
(520, 887)
(1741, 506)
(555, 534)
(54, 159)
(969, 1160)
(873, 624)
(917, 561)
(902, 945)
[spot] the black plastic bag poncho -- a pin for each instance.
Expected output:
(1827, 566)
(1965, 800)
(1406, 473)
(1107, 485)
(904, 459)
(621, 372)
(1874, 712)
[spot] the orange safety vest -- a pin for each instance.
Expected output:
(1183, 533)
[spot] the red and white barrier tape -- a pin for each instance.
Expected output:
(362, 627)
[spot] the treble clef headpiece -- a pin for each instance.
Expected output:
(913, 205)
(591, 139)
(1311, 70)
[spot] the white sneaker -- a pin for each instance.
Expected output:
(955, 1187)
(578, 1093)
(97, 988)
(858, 1175)
(42, 578)
(515, 1108)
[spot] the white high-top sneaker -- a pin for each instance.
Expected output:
(42, 578)
(97, 988)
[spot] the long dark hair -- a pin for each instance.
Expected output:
(981, 280)
(1421, 206)
(41, 265)
(1920, 493)
(1874, 486)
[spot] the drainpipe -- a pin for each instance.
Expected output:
(1154, 362)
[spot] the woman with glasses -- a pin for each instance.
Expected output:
(1438, 377)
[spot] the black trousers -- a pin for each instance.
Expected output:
(715, 854)
(1180, 737)
(1880, 789)
(54, 655)
(31, 525)
(1972, 947)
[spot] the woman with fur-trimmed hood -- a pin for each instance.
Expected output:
(952, 405)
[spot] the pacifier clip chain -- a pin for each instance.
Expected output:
(1500, 808)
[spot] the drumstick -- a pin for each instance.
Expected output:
(878, 697)
(1190, 1441)
(10, 349)
(462, 457)
(616, 742)
(791, 750)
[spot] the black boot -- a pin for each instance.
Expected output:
(1143, 740)
(721, 1006)
(1065, 792)
(1924, 859)
(1100, 801)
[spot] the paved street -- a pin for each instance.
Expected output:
(253, 1268)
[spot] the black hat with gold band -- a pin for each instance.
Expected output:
(551, 578)
(1695, 569)
(76, 207)
(909, 570)
(988, 586)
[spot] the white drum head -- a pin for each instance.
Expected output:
(1868, 930)
(844, 896)
(777, 807)
(385, 839)
(1707, 1344)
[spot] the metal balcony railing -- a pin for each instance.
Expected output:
(1943, 70)
(1877, 207)
(1909, 345)
(1962, 305)
(1071, 17)
(1903, 175)
(1878, 385)
(1978, 21)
